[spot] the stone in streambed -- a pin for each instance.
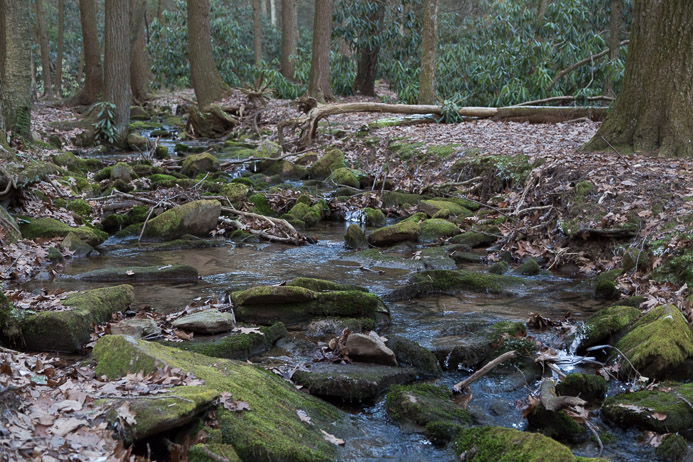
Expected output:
(355, 238)
(199, 163)
(34, 228)
(589, 387)
(473, 239)
(197, 218)
(210, 321)
(370, 349)
(78, 247)
(528, 268)
(436, 228)
(402, 231)
(604, 325)
(323, 167)
(136, 327)
(140, 274)
(409, 353)
(455, 281)
(122, 171)
(272, 295)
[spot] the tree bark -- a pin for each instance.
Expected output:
(273, 12)
(257, 31)
(367, 63)
(614, 39)
(429, 44)
(654, 109)
(45, 54)
(289, 37)
(206, 80)
(15, 65)
(59, 62)
(541, 11)
(117, 64)
(140, 74)
(93, 70)
(319, 81)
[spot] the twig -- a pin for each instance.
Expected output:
(592, 428)
(599, 347)
(582, 62)
(617, 153)
(201, 181)
(228, 163)
(464, 384)
(215, 457)
(368, 270)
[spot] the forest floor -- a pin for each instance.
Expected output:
(575, 212)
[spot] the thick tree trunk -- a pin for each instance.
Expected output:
(80, 66)
(429, 44)
(614, 41)
(117, 64)
(93, 78)
(61, 36)
(273, 12)
(257, 30)
(364, 82)
(140, 74)
(15, 65)
(289, 37)
(45, 54)
(319, 81)
(654, 109)
(207, 82)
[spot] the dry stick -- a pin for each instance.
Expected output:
(564, 98)
(617, 153)
(238, 225)
(151, 210)
(599, 347)
(228, 163)
(464, 384)
(582, 62)
(592, 428)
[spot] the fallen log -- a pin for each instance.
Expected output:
(309, 124)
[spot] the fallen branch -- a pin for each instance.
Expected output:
(582, 62)
(551, 402)
(554, 99)
(464, 384)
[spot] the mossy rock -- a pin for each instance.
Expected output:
(270, 430)
(199, 163)
(76, 164)
(137, 142)
(657, 343)
(409, 353)
(635, 259)
(169, 410)
(433, 207)
(197, 218)
(323, 167)
(461, 257)
(238, 345)
(261, 205)
(353, 383)
(355, 238)
(393, 199)
(659, 411)
(455, 281)
(425, 404)
(418, 217)
(48, 228)
(557, 425)
(79, 207)
(474, 239)
(272, 295)
(436, 228)
(402, 231)
(161, 152)
(200, 453)
(9, 230)
(64, 331)
(605, 287)
(435, 258)
(374, 217)
(498, 444)
(603, 326)
(322, 285)
(346, 177)
(236, 193)
(286, 170)
(500, 267)
(122, 171)
(528, 268)
(268, 148)
(589, 387)
(674, 448)
(442, 151)
(142, 274)
(78, 247)
(184, 243)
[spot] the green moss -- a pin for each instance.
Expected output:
(246, 181)
(345, 176)
(435, 228)
(159, 177)
(35, 228)
(309, 214)
(80, 207)
(528, 268)
(260, 205)
(418, 217)
(74, 163)
(557, 425)
(374, 217)
(500, 267)
(496, 444)
(674, 448)
(355, 238)
(321, 285)
(60, 203)
(637, 409)
(143, 125)
(236, 193)
(103, 174)
(454, 281)
(599, 328)
(443, 152)
(405, 151)
(589, 387)
(236, 346)
(410, 353)
(271, 430)
(285, 169)
(435, 206)
(272, 295)
(331, 161)
(196, 217)
(658, 342)
(197, 453)
(402, 231)
(473, 239)
(199, 163)
(392, 199)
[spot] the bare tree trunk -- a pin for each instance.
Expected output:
(654, 109)
(541, 11)
(257, 30)
(273, 12)
(614, 41)
(364, 82)
(117, 64)
(15, 65)
(429, 44)
(140, 74)
(61, 35)
(289, 37)
(80, 66)
(319, 81)
(93, 78)
(43, 41)
(206, 80)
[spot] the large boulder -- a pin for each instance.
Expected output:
(657, 343)
(355, 238)
(65, 330)
(197, 218)
(604, 325)
(271, 430)
(370, 349)
(402, 231)
(323, 167)
(34, 228)
(455, 281)
(199, 163)
(210, 321)
(238, 345)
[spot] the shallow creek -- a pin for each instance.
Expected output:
(423, 320)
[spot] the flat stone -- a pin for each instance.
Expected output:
(370, 349)
(136, 327)
(206, 322)
(197, 218)
(139, 274)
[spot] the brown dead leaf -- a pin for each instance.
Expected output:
(332, 439)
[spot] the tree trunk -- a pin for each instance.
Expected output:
(654, 109)
(140, 74)
(206, 80)
(257, 31)
(429, 44)
(43, 41)
(289, 37)
(319, 81)
(93, 78)
(541, 11)
(364, 82)
(80, 66)
(61, 35)
(117, 64)
(614, 41)
(15, 65)
(273, 12)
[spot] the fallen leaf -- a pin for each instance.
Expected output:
(303, 416)
(332, 439)
(130, 273)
